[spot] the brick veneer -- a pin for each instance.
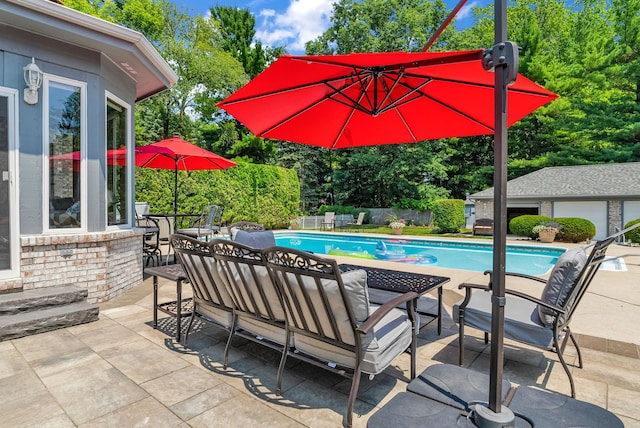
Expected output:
(106, 263)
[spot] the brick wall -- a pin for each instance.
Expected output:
(105, 263)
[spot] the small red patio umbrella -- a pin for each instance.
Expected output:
(177, 154)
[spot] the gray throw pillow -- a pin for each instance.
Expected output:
(258, 240)
(562, 278)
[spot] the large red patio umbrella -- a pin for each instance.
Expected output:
(364, 99)
(385, 98)
(177, 154)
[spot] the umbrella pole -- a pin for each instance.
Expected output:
(175, 190)
(497, 415)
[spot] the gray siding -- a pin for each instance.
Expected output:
(72, 62)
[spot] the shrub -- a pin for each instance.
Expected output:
(448, 215)
(574, 229)
(523, 225)
(632, 235)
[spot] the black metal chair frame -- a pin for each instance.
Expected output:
(282, 262)
(151, 240)
(562, 314)
(248, 226)
(249, 294)
(196, 258)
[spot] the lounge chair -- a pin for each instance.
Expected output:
(333, 324)
(483, 226)
(352, 223)
(542, 321)
(329, 221)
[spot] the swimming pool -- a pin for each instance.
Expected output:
(447, 254)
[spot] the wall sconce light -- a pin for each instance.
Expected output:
(33, 79)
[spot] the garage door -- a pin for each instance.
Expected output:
(630, 211)
(594, 211)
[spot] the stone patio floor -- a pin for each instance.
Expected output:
(121, 372)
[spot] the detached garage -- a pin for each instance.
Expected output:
(607, 194)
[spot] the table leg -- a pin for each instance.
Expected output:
(439, 310)
(178, 308)
(155, 301)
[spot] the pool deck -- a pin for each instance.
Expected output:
(119, 371)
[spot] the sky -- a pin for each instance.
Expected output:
(292, 23)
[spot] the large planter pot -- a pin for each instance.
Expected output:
(295, 226)
(546, 236)
(396, 230)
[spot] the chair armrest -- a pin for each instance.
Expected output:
(383, 310)
(535, 300)
(515, 274)
(469, 287)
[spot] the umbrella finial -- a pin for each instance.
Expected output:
(176, 135)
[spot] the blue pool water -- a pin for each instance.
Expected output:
(447, 254)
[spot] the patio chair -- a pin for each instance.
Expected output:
(334, 326)
(211, 301)
(258, 314)
(329, 221)
(543, 321)
(142, 209)
(150, 241)
(207, 225)
(247, 226)
(349, 225)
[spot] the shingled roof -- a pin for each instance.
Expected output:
(612, 180)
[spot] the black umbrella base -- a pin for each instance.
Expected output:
(445, 395)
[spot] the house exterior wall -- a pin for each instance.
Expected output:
(104, 260)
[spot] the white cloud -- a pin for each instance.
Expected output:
(304, 20)
(466, 11)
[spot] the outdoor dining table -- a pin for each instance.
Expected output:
(384, 283)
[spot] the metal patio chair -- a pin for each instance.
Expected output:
(207, 225)
(332, 322)
(543, 321)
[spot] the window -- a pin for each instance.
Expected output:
(64, 152)
(118, 182)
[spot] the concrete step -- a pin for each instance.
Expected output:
(40, 298)
(51, 318)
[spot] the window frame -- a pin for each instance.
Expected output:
(47, 79)
(110, 97)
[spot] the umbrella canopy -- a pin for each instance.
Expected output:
(364, 99)
(177, 154)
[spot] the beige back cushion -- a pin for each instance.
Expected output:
(251, 289)
(355, 284)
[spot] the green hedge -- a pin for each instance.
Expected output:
(574, 229)
(571, 229)
(448, 215)
(632, 235)
(523, 225)
(264, 194)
